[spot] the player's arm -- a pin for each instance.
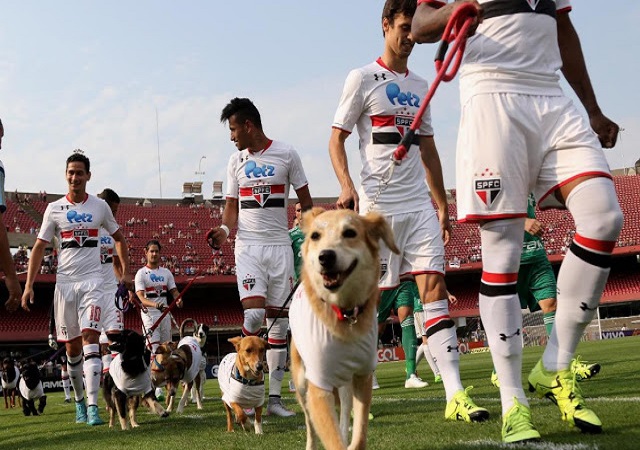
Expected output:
(148, 303)
(575, 71)
(123, 256)
(9, 269)
(175, 293)
(433, 168)
(304, 197)
(429, 20)
(35, 261)
(216, 236)
(348, 193)
(117, 267)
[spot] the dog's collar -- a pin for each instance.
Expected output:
(156, 366)
(350, 315)
(235, 374)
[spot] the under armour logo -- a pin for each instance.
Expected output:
(380, 76)
(95, 374)
(452, 349)
(584, 307)
(504, 337)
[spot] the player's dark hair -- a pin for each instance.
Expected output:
(153, 242)
(79, 157)
(243, 109)
(394, 7)
(110, 196)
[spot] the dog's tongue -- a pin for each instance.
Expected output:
(332, 281)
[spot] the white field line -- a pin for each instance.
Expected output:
(478, 399)
(529, 445)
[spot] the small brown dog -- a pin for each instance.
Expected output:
(241, 379)
(333, 323)
(178, 364)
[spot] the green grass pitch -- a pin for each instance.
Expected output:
(404, 419)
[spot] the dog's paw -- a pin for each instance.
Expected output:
(135, 425)
(164, 414)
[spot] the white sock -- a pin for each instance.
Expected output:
(441, 332)
(276, 359)
(585, 268)
(431, 360)
(419, 354)
(92, 372)
(66, 384)
(75, 368)
(500, 306)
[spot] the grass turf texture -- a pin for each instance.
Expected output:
(405, 419)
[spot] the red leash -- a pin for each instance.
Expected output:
(171, 307)
(456, 32)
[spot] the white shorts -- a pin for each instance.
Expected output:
(418, 321)
(265, 271)
(77, 307)
(162, 333)
(417, 235)
(512, 144)
(112, 317)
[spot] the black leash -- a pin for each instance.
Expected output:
(283, 307)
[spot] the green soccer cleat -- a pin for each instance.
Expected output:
(437, 379)
(562, 389)
(81, 412)
(93, 418)
(461, 407)
(583, 370)
(494, 379)
(517, 426)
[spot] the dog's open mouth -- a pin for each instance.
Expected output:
(333, 280)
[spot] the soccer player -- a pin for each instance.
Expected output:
(113, 318)
(79, 293)
(6, 260)
(381, 99)
(297, 238)
(518, 133)
(154, 284)
(258, 180)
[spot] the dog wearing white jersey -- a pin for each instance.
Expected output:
(333, 323)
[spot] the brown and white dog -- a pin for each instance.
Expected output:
(129, 380)
(178, 364)
(333, 323)
(10, 377)
(241, 379)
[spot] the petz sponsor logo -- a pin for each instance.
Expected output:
(156, 278)
(397, 97)
(252, 170)
(76, 217)
(487, 185)
(105, 240)
(249, 282)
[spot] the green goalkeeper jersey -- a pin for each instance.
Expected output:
(532, 248)
(297, 238)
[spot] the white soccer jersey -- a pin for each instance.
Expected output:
(260, 181)
(515, 49)
(233, 391)
(77, 226)
(156, 284)
(107, 252)
(382, 104)
(320, 349)
(196, 356)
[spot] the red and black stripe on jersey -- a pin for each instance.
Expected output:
(79, 238)
(152, 292)
(262, 196)
(401, 123)
(496, 8)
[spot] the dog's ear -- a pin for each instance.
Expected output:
(235, 341)
(308, 216)
(205, 328)
(378, 228)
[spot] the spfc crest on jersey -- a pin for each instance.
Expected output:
(383, 268)
(487, 187)
(80, 236)
(533, 4)
(261, 193)
(248, 283)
